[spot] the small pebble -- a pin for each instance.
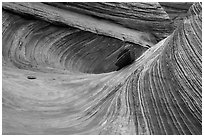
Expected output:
(31, 77)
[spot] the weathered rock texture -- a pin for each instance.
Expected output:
(176, 10)
(140, 23)
(145, 17)
(49, 86)
(39, 45)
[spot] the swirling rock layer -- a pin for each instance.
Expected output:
(88, 23)
(39, 46)
(176, 10)
(148, 17)
(47, 88)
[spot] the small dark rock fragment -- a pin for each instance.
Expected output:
(31, 77)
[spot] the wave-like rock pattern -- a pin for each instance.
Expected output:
(47, 88)
(40, 45)
(58, 15)
(148, 17)
(176, 10)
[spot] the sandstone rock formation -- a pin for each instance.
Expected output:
(59, 77)
(176, 11)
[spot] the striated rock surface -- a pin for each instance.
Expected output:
(62, 80)
(148, 17)
(176, 10)
(140, 23)
(40, 45)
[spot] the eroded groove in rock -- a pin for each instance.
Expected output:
(160, 93)
(81, 21)
(40, 46)
(145, 17)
